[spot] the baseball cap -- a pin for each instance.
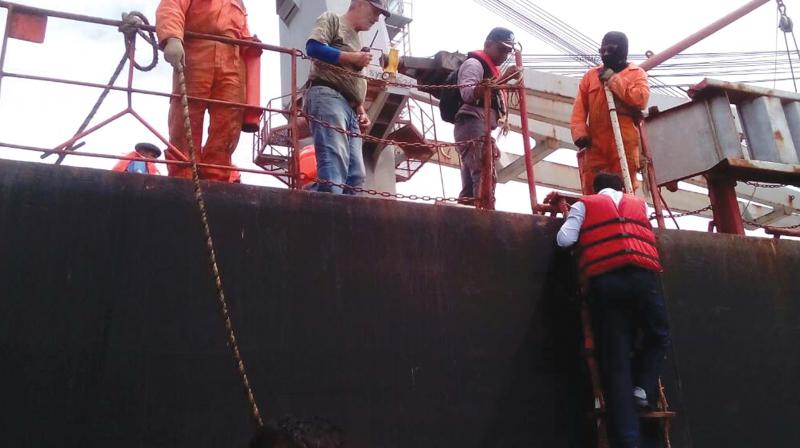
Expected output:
(148, 147)
(503, 36)
(381, 6)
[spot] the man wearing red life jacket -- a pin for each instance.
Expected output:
(470, 121)
(620, 265)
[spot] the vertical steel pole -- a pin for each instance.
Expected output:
(131, 71)
(727, 215)
(702, 34)
(9, 16)
(526, 134)
(651, 178)
(486, 199)
(294, 162)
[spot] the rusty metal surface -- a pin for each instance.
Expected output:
(736, 321)
(767, 130)
(406, 325)
(738, 91)
(692, 138)
(756, 170)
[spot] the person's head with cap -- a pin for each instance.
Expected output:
(499, 44)
(614, 50)
(363, 14)
(148, 150)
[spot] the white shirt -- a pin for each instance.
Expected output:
(571, 230)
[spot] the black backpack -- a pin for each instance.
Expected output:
(450, 100)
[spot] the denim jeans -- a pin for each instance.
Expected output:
(339, 157)
(625, 302)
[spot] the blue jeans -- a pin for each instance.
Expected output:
(625, 302)
(339, 157)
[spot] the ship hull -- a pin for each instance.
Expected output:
(405, 325)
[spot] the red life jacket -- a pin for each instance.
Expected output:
(489, 63)
(122, 165)
(613, 237)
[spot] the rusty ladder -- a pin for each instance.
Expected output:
(661, 413)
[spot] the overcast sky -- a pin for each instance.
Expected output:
(46, 115)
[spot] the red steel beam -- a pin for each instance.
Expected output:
(683, 45)
(132, 90)
(526, 134)
(116, 23)
(4, 45)
(727, 217)
(156, 161)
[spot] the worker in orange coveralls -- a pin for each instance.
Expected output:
(591, 121)
(144, 153)
(213, 70)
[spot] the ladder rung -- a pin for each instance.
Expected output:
(657, 415)
(649, 415)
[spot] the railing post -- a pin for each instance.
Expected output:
(294, 159)
(727, 215)
(526, 135)
(9, 15)
(486, 193)
(651, 177)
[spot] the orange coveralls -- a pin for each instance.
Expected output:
(122, 165)
(590, 117)
(213, 70)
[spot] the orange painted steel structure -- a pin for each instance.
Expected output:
(14, 8)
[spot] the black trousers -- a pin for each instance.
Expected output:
(624, 303)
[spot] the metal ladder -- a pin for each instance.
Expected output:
(661, 413)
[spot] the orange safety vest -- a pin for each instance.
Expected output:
(613, 237)
(122, 165)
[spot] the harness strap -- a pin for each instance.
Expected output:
(585, 267)
(619, 220)
(620, 236)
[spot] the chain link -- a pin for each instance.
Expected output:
(768, 186)
(762, 226)
(233, 344)
(388, 195)
(710, 208)
(683, 215)
(487, 82)
(370, 138)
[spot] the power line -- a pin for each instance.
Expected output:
(555, 32)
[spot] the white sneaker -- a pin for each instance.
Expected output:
(640, 397)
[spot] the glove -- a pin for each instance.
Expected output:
(583, 142)
(174, 52)
(606, 74)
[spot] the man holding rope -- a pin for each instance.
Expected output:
(592, 127)
(213, 70)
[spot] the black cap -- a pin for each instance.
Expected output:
(149, 147)
(503, 36)
(381, 6)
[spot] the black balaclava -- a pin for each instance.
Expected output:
(617, 60)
